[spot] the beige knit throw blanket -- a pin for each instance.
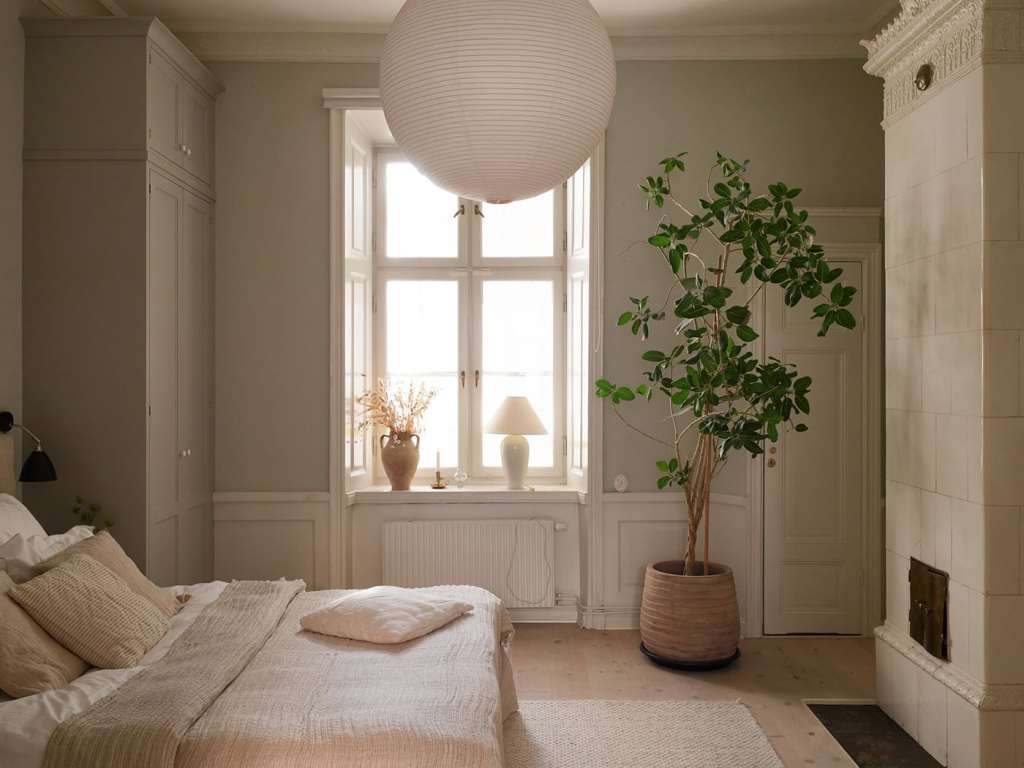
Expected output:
(143, 722)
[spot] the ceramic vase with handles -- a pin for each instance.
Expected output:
(400, 455)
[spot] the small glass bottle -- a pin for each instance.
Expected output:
(460, 477)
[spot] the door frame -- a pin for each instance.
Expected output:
(869, 254)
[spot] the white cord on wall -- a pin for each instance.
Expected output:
(511, 564)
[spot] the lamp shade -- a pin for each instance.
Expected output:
(37, 468)
(515, 416)
(497, 100)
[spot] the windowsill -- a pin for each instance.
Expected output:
(470, 494)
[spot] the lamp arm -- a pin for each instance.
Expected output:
(30, 433)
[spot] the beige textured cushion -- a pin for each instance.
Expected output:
(105, 549)
(385, 615)
(90, 610)
(30, 660)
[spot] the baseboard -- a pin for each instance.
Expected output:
(560, 614)
(609, 617)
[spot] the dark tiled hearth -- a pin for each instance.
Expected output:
(871, 737)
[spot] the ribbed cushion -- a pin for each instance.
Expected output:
(103, 548)
(30, 660)
(90, 610)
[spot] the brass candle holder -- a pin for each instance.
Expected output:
(439, 482)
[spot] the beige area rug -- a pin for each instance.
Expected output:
(636, 734)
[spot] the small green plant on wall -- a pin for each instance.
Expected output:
(88, 513)
(718, 389)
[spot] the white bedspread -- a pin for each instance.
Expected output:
(438, 701)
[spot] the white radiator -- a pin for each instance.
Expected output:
(514, 559)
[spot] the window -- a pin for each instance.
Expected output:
(471, 301)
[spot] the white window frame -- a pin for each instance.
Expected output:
(470, 268)
(382, 156)
(558, 315)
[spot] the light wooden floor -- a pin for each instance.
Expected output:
(562, 661)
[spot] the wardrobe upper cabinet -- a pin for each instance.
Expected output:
(137, 92)
(180, 118)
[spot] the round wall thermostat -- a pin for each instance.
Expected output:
(621, 483)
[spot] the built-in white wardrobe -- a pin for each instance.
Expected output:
(118, 283)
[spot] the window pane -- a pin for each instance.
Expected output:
(524, 229)
(423, 347)
(518, 359)
(419, 215)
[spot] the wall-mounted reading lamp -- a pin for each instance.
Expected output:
(37, 467)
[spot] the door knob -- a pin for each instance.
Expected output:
(183, 453)
(771, 462)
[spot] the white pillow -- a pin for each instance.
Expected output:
(385, 615)
(15, 518)
(20, 554)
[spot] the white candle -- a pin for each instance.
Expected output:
(439, 462)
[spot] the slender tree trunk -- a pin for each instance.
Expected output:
(697, 491)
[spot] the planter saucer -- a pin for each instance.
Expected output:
(689, 666)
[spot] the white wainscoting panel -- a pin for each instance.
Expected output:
(272, 536)
(642, 528)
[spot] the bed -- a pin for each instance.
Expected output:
(300, 699)
(235, 682)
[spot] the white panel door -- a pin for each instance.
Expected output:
(814, 480)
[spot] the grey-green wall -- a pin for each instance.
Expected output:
(811, 123)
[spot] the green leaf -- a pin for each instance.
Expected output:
(738, 315)
(746, 333)
(660, 241)
(653, 356)
(845, 318)
(625, 393)
(675, 260)
(624, 318)
(716, 296)
(801, 427)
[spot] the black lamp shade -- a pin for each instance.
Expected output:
(38, 468)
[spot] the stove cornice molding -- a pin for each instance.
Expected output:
(953, 36)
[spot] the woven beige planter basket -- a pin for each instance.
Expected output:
(689, 622)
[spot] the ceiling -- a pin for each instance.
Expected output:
(621, 16)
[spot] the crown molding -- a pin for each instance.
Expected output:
(269, 44)
(953, 36)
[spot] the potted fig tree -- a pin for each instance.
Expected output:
(722, 396)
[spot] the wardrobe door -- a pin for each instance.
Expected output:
(164, 100)
(193, 330)
(194, 441)
(197, 131)
(166, 210)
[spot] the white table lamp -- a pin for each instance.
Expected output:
(514, 418)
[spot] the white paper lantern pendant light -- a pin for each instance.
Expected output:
(497, 100)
